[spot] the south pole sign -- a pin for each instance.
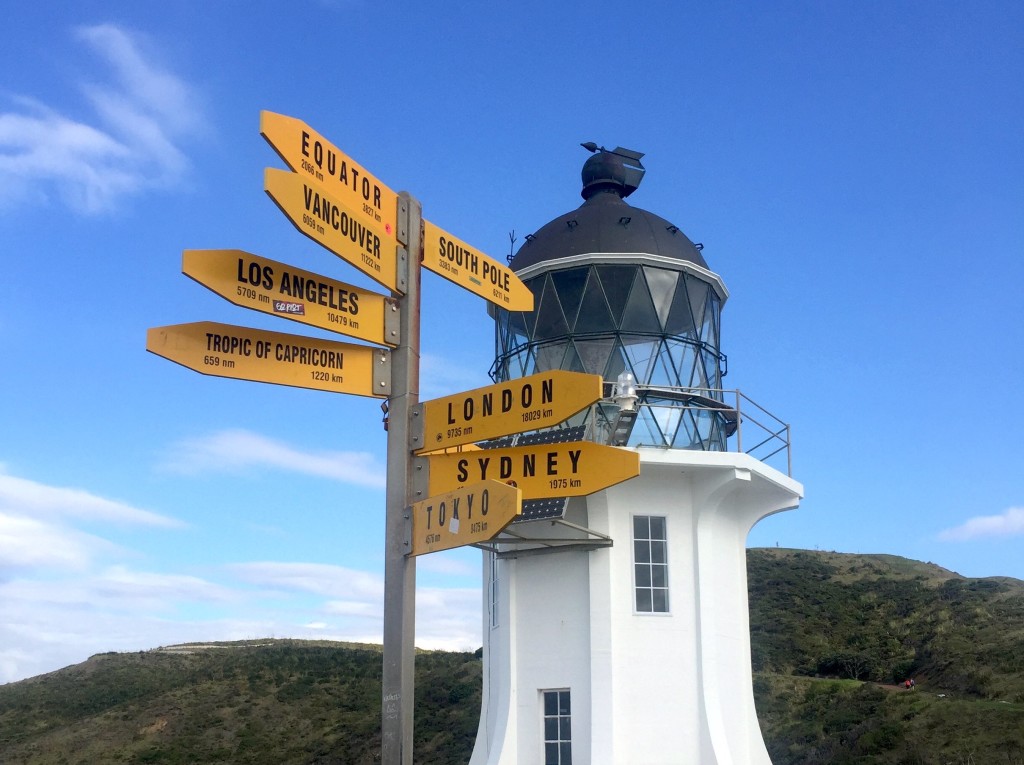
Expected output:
(471, 269)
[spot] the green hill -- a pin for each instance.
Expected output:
(830, 634)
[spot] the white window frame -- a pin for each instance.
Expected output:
(651, 565)
(563, 725)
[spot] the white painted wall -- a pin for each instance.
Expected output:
(646, 688)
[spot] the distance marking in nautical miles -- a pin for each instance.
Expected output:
(526, 403)
(469, 268)
(333, 224)
(307, 152)
(225, 350)
(542, 470)
(466, 516)
(276, 288)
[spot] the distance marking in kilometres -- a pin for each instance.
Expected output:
(224, 350)
(542, 470)
(465, 516)
(307, 152)
(515, 406)
(278, 289)
(333, 224)
(469, 268)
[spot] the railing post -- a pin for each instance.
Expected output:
(739, 424)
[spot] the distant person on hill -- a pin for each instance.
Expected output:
(906, 684)
(912, 683)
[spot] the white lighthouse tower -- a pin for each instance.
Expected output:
(615, 625)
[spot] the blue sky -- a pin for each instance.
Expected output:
(855, 172)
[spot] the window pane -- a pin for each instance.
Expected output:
(551, 729)
(641, 527)
(565, 729)
(566, 754)
(642, 552)
(551, 703)
(563, 702)
(660, 601)
(643, 575)
(658, 577)
(658, 528)
(550, 754)
(643, 600)
(658, 552)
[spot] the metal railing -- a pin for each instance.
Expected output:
(703, 419)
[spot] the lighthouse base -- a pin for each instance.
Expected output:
(637, 652)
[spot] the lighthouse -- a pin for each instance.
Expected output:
(615, 626)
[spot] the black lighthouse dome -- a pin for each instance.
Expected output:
(605, 222)
(617, 290)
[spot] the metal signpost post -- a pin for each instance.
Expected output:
(399, 566)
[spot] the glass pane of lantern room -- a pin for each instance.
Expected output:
(639, 315)
(569, 286)
(594, 314)
(680, 318)
(550, 319)
(594, 354)
(698, 292)
(616, 282)
(641, 352)
(550, 356)
(662, 285)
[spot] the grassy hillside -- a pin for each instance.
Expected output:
(271, 702)
(830, 635)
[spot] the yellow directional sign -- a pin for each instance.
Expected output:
(282, 290)
(334, 224)
(307, 152)
(542, 470)
(466, 516)
(224, 350)
(468, 267)
(526, 403)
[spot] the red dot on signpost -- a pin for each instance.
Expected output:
(387, 228)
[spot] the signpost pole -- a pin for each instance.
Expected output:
(400, 568)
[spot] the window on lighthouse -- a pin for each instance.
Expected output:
(650, 564)
(557, 728)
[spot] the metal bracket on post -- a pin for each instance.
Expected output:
(382, 372)
(402, 224)
(420, 484)
(402, 270)
(416, 428)
(407, 540)
(392, 321)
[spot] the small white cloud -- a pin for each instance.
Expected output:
(352, 608)
(22, 497)
(450, 563)
(27, 543)
(1008, 524)
(316, 578)
(240, 449)
(130, 144)
(122, 585)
